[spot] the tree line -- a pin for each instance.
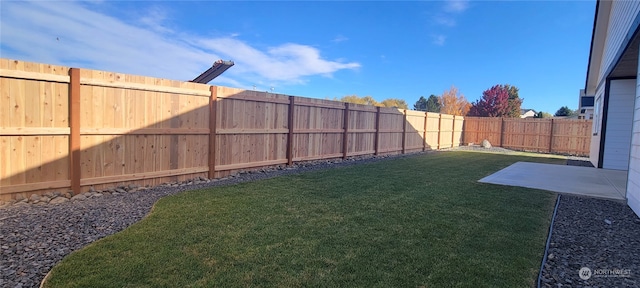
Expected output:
(368, 100)
(501, 100)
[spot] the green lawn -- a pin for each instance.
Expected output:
(413, 222)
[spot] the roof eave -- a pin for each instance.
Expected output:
(598, 38)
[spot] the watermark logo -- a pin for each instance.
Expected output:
(585, 273)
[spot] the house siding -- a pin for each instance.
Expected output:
(633, 178)
(622, 94)
(594, 148)
(623, 14)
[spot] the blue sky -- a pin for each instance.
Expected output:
(320, 49)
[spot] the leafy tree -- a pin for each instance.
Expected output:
(565, 111)
(394, 102)
(515, 102)
(542, 115)
(433, 104)
(366, 100)
(428, 105)
(421, 104)
(494, 103)
(453, 103)
(370, 101)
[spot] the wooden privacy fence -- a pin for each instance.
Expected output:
(562, 136)
(67, 128)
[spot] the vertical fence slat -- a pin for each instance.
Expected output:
(74, 127)
(439, 129)
(461, 140)
(376, 144)
(213, 114)
(551, 137)
(501, 131)
(290, 134)
(453, 130)
(424, 133)
(404, 132)
(345, 137)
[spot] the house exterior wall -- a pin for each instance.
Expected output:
(594, 149)
(621, 18)
(622, 94)
(585, 110)
(528, 114)
(616, 23)
(633, 178)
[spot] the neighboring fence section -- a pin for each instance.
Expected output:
(255, 129)
(562, 136)
(67, 128)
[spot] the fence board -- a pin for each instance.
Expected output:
(135, 125)
(446, 131)
(458, 131)
(432, 131)
(34, 127)
(391, 127)
(415, 131)
(322, 116)
(564, 136)
(252, 128)
(362, 124)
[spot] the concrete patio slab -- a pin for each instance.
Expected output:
(586, 181)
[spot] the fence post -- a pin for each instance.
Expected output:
(462, 137)
(376, 143)
(551, 137)
(404, 131)
(74, 127)
(501, 131)
(439, 128)
(453, 130)
(213, 100)
(290, 135)
(462, 131)
(345, 137)
(424, 132)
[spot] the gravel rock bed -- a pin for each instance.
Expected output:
(579, 162)
(33, 238)
(602, 235)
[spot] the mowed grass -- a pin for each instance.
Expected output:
(421, 221)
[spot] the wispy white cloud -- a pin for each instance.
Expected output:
(287, 62)
(456, 6)
(339, 39)
(154, 19)
(445, 20)
(447, 16)
(74, 34)
(450, 11)
(439, 39)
